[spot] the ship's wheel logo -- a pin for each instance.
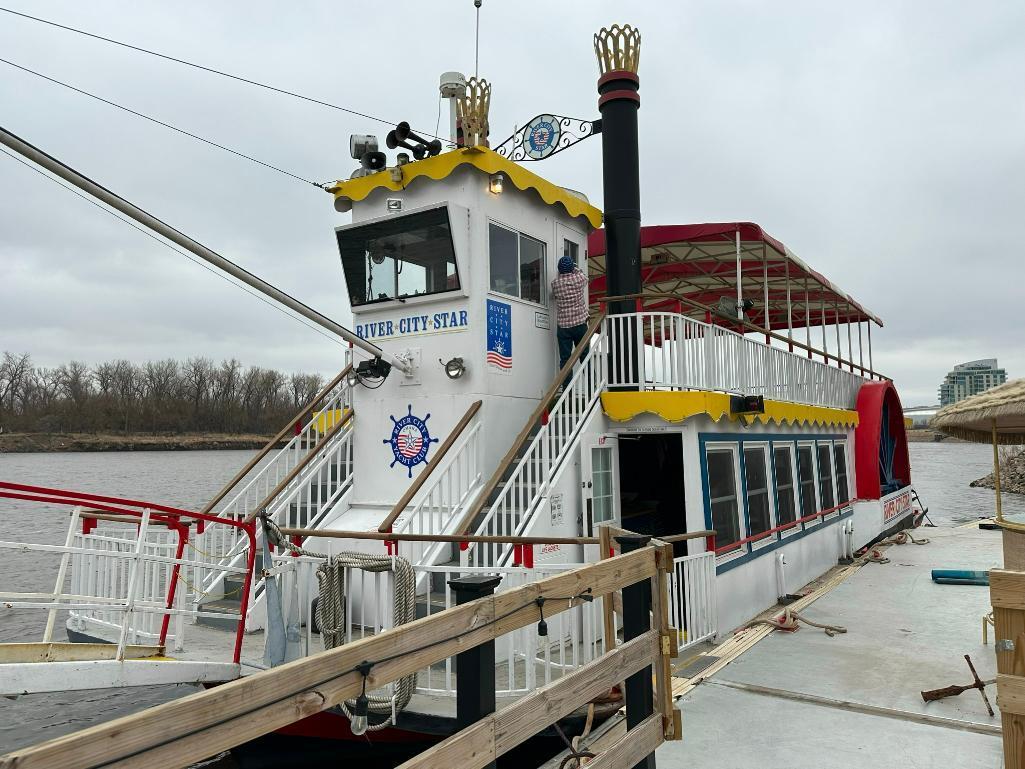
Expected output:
(410, 439)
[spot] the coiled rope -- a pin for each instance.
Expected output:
(331, 611)
(789, 621)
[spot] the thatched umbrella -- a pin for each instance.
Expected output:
(995, 416)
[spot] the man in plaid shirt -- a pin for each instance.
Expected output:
(569, 289)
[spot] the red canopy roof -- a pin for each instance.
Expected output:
(699, 262)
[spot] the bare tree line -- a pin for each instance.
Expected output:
(163, 396)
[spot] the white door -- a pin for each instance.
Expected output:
(599, 479)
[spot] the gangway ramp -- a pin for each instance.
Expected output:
(200, 725)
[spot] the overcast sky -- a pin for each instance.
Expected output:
(883, 142)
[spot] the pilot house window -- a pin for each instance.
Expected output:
(517, 264)
(399, 257)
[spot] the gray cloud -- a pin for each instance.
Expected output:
(880, 141)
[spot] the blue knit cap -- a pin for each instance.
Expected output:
(566, 265)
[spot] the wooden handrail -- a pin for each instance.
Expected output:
(534, 417)
(276, 439)
(189, 729)
(483, 538)
(421, 479)
(749, 326)
(301, 466)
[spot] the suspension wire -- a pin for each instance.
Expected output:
(161, 123)
(186, 254)
(211, 70)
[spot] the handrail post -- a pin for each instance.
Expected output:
(475, 667)
(636, 622)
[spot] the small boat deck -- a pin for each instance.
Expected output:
(804, 700)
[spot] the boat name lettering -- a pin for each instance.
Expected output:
(896, 506)
(414, 325)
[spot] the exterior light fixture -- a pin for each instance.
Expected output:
(394, 205)
(455, 368)
(359, 723)
(495, 183)
(352, 379)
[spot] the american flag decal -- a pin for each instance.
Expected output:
(499, 352)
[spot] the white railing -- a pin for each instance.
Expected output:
(267, 475)
(304, 503)
(528, 485)
(692, 607)
(444, 498)
(669, 351)
(524, 660)
(120, 581)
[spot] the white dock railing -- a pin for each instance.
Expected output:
(692, 600)
(528, 485)
(675, 352)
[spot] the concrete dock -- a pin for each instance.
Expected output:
(803, 700)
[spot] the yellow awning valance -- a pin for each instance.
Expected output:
(483, 159)
(678, 406)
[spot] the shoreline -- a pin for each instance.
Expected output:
(46, 443)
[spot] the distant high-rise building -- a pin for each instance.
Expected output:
(970, 379)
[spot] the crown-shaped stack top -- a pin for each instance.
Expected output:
(618, 48)
(472, 110)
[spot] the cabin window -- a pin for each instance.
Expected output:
(399, 257)
(722, 496)
(786, 500)
(603, 497)
(756, 482)
(572, 250)
(843, 494)
(517, 264)
(826, 475)
(806, 479)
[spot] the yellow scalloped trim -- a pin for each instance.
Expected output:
(678, 406)
(486, 160)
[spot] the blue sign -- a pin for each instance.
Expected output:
(410, 440)
(542, 136)
(499, 353)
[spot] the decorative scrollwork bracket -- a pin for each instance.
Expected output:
(545, 135)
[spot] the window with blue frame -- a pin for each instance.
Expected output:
(843, 494)
(756, 485)
(826, 475)
(722, 495)
(806, 480)
(786, 497)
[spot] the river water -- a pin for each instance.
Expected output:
(941, 473)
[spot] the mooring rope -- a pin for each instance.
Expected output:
(331, 611)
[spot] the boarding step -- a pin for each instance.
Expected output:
(229, 608)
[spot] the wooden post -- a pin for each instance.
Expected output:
(996, 474)
(475, 667)
(636, 622)
(1007, 594)
(668, 642)
(607, 600)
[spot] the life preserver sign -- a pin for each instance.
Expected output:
(410, 439)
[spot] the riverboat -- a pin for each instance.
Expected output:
(724, 399)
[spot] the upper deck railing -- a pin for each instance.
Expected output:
(676, 352)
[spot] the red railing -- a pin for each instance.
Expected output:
(776, 529)
(167, 515)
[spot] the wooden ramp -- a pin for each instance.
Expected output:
(195, 727)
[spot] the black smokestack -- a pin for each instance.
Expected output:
(618, 51)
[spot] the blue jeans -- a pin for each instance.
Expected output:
(569, 337)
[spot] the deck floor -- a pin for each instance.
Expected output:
(805, 701)
(905, 634)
